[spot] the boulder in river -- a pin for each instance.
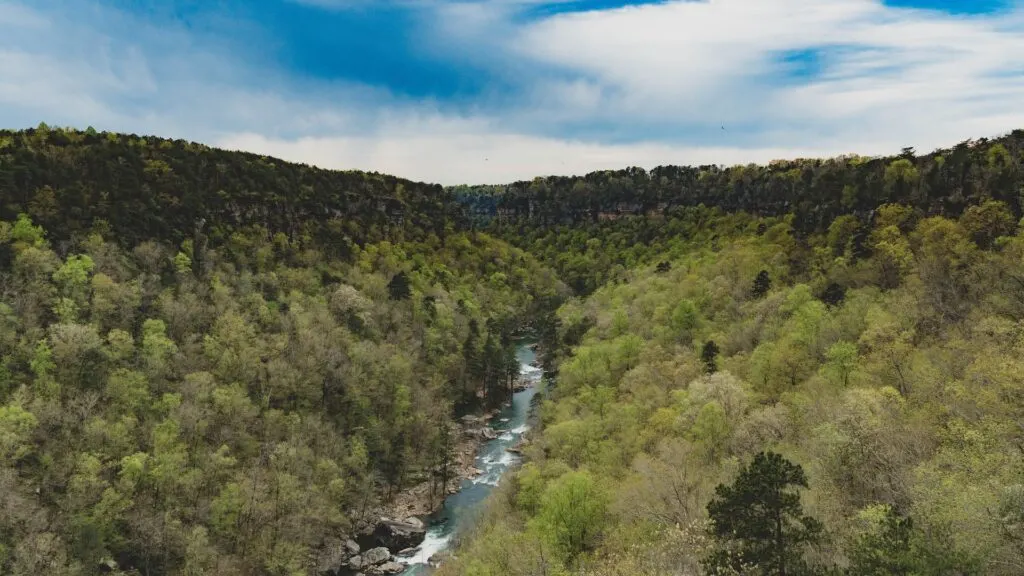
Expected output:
(482, 433)
(414, 521)
(397, 536)
(388, 568)
(375, 556)
(437, 558)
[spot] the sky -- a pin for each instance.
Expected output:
(491, 91)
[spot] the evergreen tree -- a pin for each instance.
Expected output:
(885, 551)
(708, 355)
(398, 287)
(758, 520)
(762, 284)
(834, 295)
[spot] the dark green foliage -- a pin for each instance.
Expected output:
(759, 521)
(591, 228)
(833, 294)
(762, 284)
(896, 547)
(815, 191)
(886, 551)
(154, 188)
(709, 355)
(398, 287)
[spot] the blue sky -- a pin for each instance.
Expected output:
(494, 90)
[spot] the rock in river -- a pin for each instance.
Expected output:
(375, 556)
(388, 568)
(397, 536)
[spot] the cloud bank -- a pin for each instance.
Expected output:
(567, 90)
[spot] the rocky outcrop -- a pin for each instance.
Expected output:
(397, 536)
(387, 568)
(481, 433)
(334, 557)
(375, 556)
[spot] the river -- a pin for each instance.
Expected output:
(492, 458)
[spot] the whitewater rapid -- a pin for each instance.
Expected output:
(493, 459)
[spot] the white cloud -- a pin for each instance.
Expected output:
(660, 78)
(454, 151)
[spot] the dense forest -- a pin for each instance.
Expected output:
(592, 228)
(154, 188)
(770, 405)
(214, 362)
(229, 398)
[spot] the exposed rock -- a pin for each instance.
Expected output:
(484, 433)
(351, 547)
(414, 521)
(409, 551)
(376, 556)
(389, 568)
(332, 556)
(399, 535)
(355, 562)
(435, 560)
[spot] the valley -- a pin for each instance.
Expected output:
(221, 363)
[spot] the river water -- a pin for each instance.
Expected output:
(492, 459)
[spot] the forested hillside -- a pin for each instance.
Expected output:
(767, 405)
(587, 227)
(215, 363)
(220, 363)
(147, 188)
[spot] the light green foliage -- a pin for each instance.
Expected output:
(906, 391)
(228, 418)
(572, 514)
(685, 319)
(841, 361)
(16, 426)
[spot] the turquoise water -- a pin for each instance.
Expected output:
(492, 459)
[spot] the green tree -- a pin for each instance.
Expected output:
(988, 221)
(884, 549)
(573, 512)
(759, 521)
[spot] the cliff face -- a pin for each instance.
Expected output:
(815, 191)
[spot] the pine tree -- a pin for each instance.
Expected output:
(759, 522)
(762, 284)
(398, 287)
(708, 355)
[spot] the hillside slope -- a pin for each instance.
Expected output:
(592, 228)
(237, 397)
(147, 188)
(890, 372)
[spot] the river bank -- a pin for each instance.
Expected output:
(412, 532)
